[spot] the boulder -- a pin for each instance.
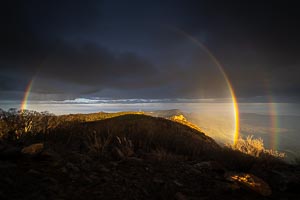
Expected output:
(33, 149)
(250, 182)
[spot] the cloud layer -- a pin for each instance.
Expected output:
(130, 49)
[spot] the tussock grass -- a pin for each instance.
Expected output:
(130, 134)
(255, 147)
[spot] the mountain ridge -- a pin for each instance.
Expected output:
(133, 156)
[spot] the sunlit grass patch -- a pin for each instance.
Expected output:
(255, 147)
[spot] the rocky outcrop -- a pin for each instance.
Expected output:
(250, 182)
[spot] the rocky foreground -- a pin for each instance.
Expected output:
(84, 167)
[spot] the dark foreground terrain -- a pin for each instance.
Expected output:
(134, 156)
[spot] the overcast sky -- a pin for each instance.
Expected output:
(133, 49)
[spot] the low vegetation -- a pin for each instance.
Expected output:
(255, 147)
(145, 157)
(129, 131)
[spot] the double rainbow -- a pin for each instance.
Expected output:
(24, 103)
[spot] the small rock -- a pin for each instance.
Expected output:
(64, 170)
(159, 181)
(72, 167)
(105, 179)
(178, 183)
(250, 182)
(180, 196)
(48, 154)
(201, 165)
(87, 179)
(73, 176)
(33, 149)
(135, 159)
(94, 177)
(210, 166)
(113, 164)
(33, 172)
(145, 191)
(104, 169)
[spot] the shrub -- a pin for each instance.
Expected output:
(255, 147)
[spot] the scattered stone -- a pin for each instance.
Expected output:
(104, 169)
(87, 179)
(210, 166)
(94, 176)
(64, 170)
(33, 172)
(105, 178)
(48, 154)
(159, 181)
(180, 196)
(145, 191)
(202, 165)
(135, 159)
(114, 164)
(178, 183)
(250, 182)
(33, 149)
(73, 176)
(72, 167)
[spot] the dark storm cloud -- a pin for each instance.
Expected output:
(127, 49)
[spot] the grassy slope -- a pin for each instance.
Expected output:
(146, 133)
(114, 155)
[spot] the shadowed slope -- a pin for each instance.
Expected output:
(146, 133)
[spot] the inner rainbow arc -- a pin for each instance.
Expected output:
(229, 85)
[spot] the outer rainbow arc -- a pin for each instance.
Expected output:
(274, 122)
(220, 67)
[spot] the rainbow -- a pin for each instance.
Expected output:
(26, 95)
(274, 123)
(221, 68)
(213, 58)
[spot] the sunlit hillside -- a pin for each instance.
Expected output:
(126, 154)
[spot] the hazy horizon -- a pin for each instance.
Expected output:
(214, 118)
